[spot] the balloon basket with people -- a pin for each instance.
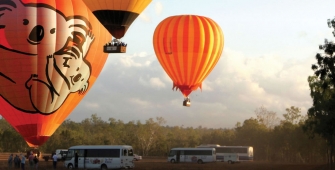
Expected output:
(115, 46)
(187, 102)
(116, 16)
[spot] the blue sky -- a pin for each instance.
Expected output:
(267, 57)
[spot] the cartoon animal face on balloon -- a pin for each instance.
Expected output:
(42, 56)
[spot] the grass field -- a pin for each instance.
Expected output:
(161, 164)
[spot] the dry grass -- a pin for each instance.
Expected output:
(161, 164)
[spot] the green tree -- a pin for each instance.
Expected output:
(253, 133)
(293, 115)
(147, 134)
(266, 117)
(321, 116)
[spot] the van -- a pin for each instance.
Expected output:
(100, 157)
(61, 153)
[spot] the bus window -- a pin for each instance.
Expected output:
(124, 152)
(80, 152)
(130, 152)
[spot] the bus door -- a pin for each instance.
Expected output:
(80, 157)
(178, 156)
(125, 158)
(182, 156)
(130, 157)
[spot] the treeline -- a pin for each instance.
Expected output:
(273, 139)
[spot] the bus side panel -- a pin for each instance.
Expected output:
(95, 163)
(128, 161)
(245, 158)
(81, 162)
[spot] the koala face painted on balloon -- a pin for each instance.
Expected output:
(42, 59)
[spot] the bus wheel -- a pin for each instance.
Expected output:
(173, 161)
(200, 161)
(70, 166)
(103, 167)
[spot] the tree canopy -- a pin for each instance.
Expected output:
(283, 142)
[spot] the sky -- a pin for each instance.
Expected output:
(269, 47)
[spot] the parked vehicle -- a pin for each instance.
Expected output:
(61, 153)
(199, 155)
(100, 157)
(137, 157)
(245, 153)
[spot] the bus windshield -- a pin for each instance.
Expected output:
(70, 153)
(173, 153)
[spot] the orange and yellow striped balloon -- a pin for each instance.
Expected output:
(188, 47)
(117, 15)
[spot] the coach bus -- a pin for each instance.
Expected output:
(197, 155)
(245, 153)
(99, 157)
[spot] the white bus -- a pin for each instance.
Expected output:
(198, 155)
(99, 157)
(245, 153)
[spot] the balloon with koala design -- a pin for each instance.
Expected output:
(50, 56)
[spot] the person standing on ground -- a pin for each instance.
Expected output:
(31, 161)
(23, 161)
(10, 161)
(36, 162)
(16, 161)
(54, 159)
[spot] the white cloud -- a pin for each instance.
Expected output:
(153, 82)
(156, 83)
(141, 54)
(302, 34)
(92, 105)
(269, 80)
(206, 86)
(140, 102)
(129, 62)
(144, 17)
(158, 8)
(140, 59)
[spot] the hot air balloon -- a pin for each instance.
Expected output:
(188, 47)
(49, 59)
(116, 16)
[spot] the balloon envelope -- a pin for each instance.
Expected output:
(50, 56)
(188, 47)
(117, 15)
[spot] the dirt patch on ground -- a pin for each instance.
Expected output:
(162, 164)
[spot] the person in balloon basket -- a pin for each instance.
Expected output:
(10, 161)
(23, 161)
(54, 158)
